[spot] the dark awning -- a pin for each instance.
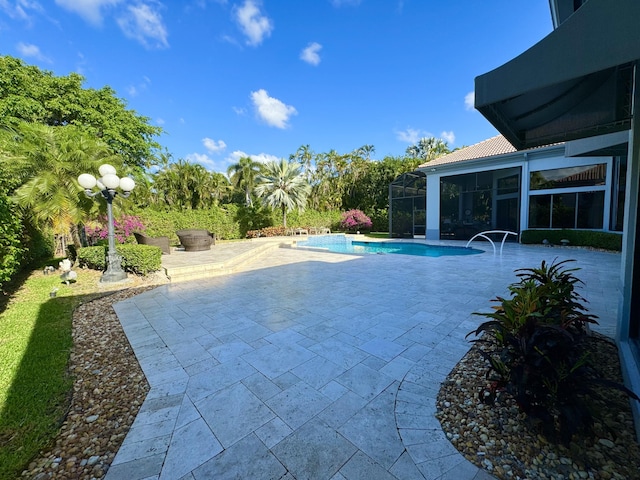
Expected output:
(575, 83)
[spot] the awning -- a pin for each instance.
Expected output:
(575, 83)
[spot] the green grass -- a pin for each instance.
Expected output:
(35, 343)
(378, 235)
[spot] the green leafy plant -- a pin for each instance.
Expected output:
(138, 259)
(534, 343)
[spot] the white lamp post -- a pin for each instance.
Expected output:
(108, 183)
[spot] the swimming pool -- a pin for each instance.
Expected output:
(344, 244)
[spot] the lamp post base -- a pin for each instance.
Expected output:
(113, 277)
(114, 272)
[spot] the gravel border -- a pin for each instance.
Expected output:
(498, 439)
(108, 390)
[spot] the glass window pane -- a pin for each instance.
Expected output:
(590, 209)
(509, 185)
(540, 211)
(570, 177)
(564, 211)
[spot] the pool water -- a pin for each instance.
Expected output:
(343, 244)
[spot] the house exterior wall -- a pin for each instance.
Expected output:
(528, 161)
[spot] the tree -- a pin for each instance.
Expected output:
(187, 185)
(304, 156)
(30, 94)
(428, 148)
(46, 162)
(243, 176)
(281, 184)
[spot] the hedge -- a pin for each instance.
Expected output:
(137, 259)
(11, 248)
(577, 238)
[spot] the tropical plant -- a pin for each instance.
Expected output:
(282, 185)
(243, 176)
(123, 229)
(428, 148)
(355, 220)
(186, 185)
(46, 161)
(535, 343)
(11, 249)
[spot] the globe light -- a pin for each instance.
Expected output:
(127, 184)
(111, 181)
(105, 169)
(108, 184)
(87, 181)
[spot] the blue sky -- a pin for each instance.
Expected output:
(229, 78)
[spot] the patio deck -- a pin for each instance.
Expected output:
(316, 365)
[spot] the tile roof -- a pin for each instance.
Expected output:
(497, 145)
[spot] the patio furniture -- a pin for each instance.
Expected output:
(162, 242)
(195, 240)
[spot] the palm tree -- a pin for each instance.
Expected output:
(304, 156)
(46, 161)
(281, 184)
(243, 176)
(186, 185)
(428, 148)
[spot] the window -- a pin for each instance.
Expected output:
(567, 210)
(570, 177)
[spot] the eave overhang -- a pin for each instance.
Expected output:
(575, 83)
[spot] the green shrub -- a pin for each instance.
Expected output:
(579, 238)
(535, 346)
(11, 248)
(137, 259)
(140, 259)
(380, 220)
(220, 220)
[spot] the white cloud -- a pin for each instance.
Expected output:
(260, 157)
(160, 121)
(310, 54)
(213, 146)
(239, 110)
(90, 10)
(253, 23)
(411, 135)
(143, 23)
(20, 9)
(448, 137)
(274, 112)
(469, 100)
(33, 51)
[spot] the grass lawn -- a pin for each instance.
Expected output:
(35, 343)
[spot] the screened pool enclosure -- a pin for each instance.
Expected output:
(407, 205)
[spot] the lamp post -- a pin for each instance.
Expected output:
(108, 184)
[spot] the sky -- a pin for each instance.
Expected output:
(232, 78)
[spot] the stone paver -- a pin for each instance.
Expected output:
(311, 365)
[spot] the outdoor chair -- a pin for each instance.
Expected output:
(162, 242)
(195, 240)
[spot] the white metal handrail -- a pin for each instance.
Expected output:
(484, 235)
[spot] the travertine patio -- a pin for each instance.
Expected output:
(311, 365)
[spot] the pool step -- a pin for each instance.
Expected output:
(208, 269)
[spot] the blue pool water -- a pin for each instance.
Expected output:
(343, 244)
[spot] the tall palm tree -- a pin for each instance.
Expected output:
(47, 161)
(304, 156)
(243, 176)
(281, 184)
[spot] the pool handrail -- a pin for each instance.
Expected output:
(487, 232)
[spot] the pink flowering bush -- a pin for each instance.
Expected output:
(123, 228)
(355, 220)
